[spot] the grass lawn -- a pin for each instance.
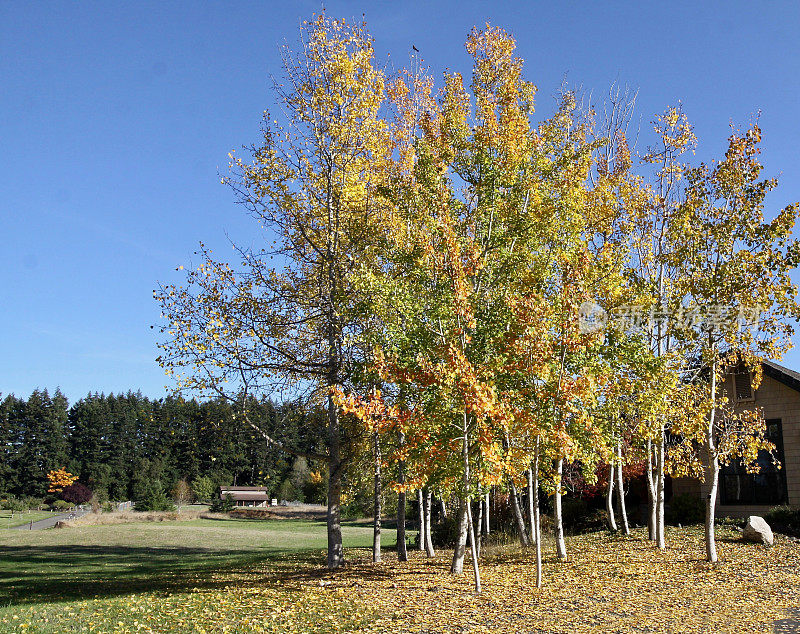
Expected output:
(6, 521)
(267, 576)
(166, 574)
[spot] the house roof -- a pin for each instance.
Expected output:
(784, 375)
(243, 488)
(247, 495)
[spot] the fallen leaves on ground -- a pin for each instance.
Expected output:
(609, 584)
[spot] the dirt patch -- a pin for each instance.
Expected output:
(311, 512)
(128, 517)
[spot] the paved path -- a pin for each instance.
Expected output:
(49, 522)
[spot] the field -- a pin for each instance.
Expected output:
(266, 576)
(7, 521)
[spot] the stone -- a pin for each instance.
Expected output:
(757, 530)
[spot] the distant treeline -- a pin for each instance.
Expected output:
(117, 444)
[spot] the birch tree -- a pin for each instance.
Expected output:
(739, 299)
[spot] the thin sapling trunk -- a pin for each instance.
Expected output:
(561, 546)
(376, 531)
(612, 522)
(711, 501)
(651, 494)
(531, 527)
(428, 540)
(402, 555)
(421, 521)
(523, 533)
(473, 547)
(621, 492)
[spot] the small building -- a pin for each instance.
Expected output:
(740, 493)
(246, 496)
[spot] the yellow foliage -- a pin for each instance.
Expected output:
(59, 479)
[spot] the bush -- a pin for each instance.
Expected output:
(728, 522)
(223, 505)
(14, 504)
(287, 491)
(578, 517)
(100, 494)
(76, 493)
(597, 519)
(784, 519)
(60, 505)
(153, 498)
(356, 507)
(686, 509)
(315, 490)
(444, 533)
(33, 502)
(203, 489)
(182, 493)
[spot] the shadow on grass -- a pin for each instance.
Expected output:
(33, 574)
(48, 574)
(791, 624)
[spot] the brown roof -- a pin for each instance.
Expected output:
(247, 495)
(784, 375)
(243, 488)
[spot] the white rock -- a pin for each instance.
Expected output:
(757, 530)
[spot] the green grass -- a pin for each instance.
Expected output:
(269, 576)
(117, 559)
(7, 521)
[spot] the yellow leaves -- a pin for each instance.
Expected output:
(608, 584)
(59, 479)
(373, 411)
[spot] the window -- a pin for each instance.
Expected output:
(768, 486)
(743, 387)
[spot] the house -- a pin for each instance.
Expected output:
(741, 494)
(246, 496)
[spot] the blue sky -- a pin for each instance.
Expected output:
(116, 118)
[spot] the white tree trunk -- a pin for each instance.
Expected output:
(660, 477)
(531, 526)
(480, 525)
(561, 546)
(660, 482)
(711, 502)
(651, 494)
(457, 565)
(623, 512)
(536, 519)
(486, 529)
(464, 514)
(473, 547)
(612, 522)
(428, 540)
(402, 555)
(421, 506)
